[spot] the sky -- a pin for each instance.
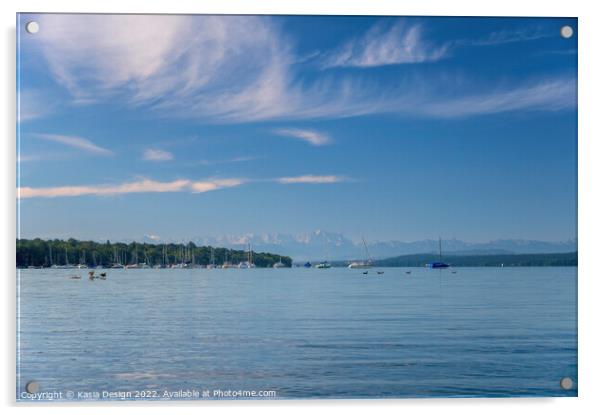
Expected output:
(387, 128)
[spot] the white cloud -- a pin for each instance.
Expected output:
(397, 43)
(551, 95)
(141, 186)
(152, 154)
(239, 159)
(310, 179)
(217, 66)
(507, 36)
(242, 68)
(153, 186)
(76, 142)
(312, 137)
(207, 186)
(33, 104)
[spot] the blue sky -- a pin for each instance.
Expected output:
(387, 128)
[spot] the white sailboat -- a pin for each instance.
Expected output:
(279, 264)
(366, 263)
(249, 262)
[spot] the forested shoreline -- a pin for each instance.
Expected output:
(47, 253)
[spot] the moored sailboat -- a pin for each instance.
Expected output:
(439, 264)
(366, 263)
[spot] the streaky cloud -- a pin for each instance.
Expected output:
(506, 36)
(550, 95)
(142, 186)
(153, 186)
(393, 44)
(33, 104)
(211, 162)
(152, 154)
(313, 137)
(311, 179)
(76, 142)
(236, 69)
(207, 186)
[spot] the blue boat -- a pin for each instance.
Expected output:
(439, 264)
(307, 265)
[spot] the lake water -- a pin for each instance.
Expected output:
(301, 333)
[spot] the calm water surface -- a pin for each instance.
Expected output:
(303, 333)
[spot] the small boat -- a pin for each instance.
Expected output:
(249, 262)
(103, 275)
(365, 272)
(454, 272)
(439, 264)
(91, 274)
(366, 263)
(307, 265)
(279, 264)
(380, 272)
(408, 272)
(75, 277)
(323, 265)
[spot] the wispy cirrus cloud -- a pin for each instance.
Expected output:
(212, 162)
(225, 67)
(207, 186)
(387, 44)
(313, 137)
(153, 154)
(550, 95)
(232, 69)
(33, 104)
(311, 179)
(154, 186)
(76, 142)
(507, 36)
(140, 186)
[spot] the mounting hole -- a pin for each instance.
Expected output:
(566, 383)
(32, 387)
(566, 32)
(32, 27)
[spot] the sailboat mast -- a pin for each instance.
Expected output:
(440, 256)
(367, 258)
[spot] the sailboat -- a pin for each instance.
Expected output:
(439, 264)
(116, 262)
(249, 262)
(67, 264)
(211, 264)
(366, 263)
(279, 264)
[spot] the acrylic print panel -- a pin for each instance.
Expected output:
(274, 207)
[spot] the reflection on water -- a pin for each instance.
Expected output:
(302, 332)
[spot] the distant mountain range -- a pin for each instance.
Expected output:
(322, 245)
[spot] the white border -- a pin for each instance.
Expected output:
(590, 206)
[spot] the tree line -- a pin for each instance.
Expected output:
(496, 260)
(46, 253)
